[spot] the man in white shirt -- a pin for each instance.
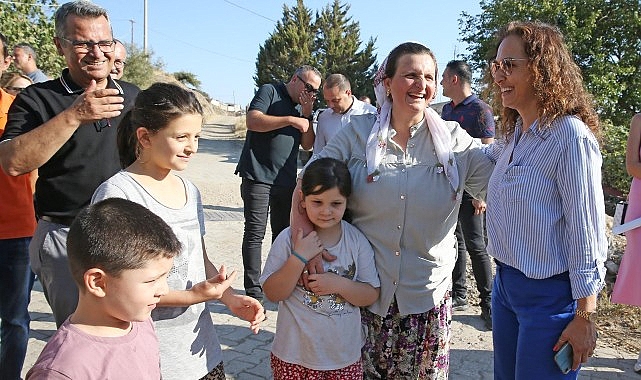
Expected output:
(342, 105)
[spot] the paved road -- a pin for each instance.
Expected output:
(246, 356)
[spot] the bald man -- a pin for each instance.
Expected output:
(119, 63)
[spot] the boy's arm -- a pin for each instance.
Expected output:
(354, 292)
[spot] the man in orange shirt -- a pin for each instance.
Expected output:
(17, 223)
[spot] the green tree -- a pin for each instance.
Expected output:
(330, 42)
(288, 47)
(336, 48)
(187, 78)
(32, 22)
(605, 39)
(140, 68)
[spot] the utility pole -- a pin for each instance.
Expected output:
(132, 31)
(144, 46)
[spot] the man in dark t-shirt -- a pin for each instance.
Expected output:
(276, 127)
(475, 116)
(66, 128)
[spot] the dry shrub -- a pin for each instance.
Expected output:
(618, 325)
(240, 127)
(208, 109)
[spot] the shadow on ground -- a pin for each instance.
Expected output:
(220, 139)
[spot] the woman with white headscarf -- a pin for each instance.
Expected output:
(409, 169)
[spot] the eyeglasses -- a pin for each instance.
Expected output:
(119, 63)
(101, 124)
(308, 87)
(505, 65)
(87, 46)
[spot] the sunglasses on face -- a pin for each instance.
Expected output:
(308, 87)
(506, 65)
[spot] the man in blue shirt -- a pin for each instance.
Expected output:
(475, 116)
(24, 59)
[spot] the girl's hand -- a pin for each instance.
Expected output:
(308, 246)
(315, 265)
(323, 284)
(248, 309)
(214, 287)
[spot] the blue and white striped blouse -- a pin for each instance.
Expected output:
(546, 211)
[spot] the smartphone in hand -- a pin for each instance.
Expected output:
(564, 358)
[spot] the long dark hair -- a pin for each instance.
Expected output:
(154, 108)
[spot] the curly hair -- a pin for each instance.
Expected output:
(557, 80)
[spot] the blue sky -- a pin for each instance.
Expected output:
(218, 40)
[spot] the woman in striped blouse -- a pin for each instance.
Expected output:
(545, 213)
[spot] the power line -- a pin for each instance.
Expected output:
(200, 47)
(249, 10)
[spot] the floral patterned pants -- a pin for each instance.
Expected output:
(288, 371)
(415, 346)
(218, 373)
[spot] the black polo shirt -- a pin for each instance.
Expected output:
(272, 157)
(67, 181)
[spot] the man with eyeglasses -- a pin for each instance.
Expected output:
(65, 128)
(278, 122)
(120, 54)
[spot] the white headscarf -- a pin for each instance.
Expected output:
(377, 140)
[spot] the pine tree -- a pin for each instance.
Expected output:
(330, 43)
(337, 48)
(288, 47)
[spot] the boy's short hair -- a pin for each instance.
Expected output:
(116, 235)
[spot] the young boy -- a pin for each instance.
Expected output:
(120, 254)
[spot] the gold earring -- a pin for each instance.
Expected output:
(388, 93)
(139, 154)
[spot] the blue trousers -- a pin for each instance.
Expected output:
(528, 316)
(16, 280)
